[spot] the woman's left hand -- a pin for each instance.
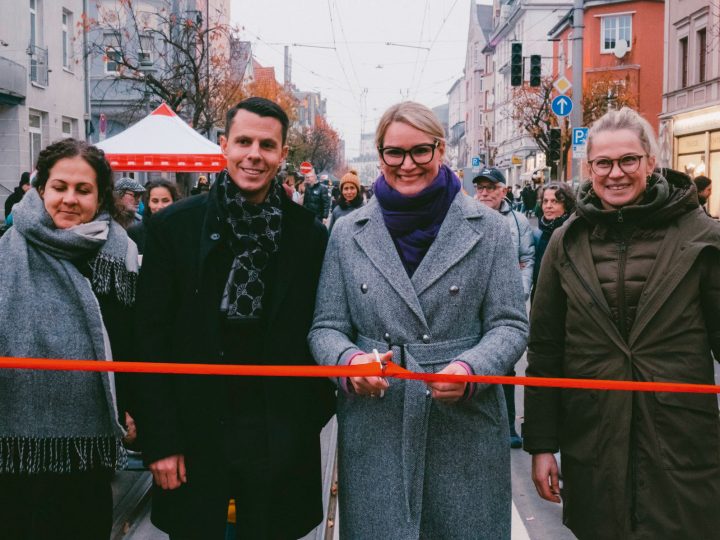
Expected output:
(447, 391)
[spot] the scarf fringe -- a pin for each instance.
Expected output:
(109, 273)
(35, 455)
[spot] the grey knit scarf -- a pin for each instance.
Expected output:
(59, 421)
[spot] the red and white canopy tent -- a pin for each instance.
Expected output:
(162, 141)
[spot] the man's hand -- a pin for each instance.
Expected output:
(169, 472)
(545, 477)
(369, 386)
(449, 391)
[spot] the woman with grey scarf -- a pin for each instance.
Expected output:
(67, 284)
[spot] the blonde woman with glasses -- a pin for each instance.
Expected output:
(629, 289)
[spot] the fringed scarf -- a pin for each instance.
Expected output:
(255, 238)
(59, 421)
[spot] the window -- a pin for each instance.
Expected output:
(66, 39)
(33, 22)
(145, 53)
(613, 29)
(68, 127)
(112, 60)
(702, 54)
(683, 62)
(35, 130)
(569, 44)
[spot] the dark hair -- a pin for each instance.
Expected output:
(93, 156)
(564, 194)
(261, 107)
(701, 183)
(24, 179)
(174, 194)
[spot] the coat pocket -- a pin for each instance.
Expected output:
(580, 425)
(688, 429)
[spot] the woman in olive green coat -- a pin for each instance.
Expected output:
(629, 289)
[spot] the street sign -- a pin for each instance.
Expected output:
(561, 105)
(579, 135)
(306, 167)
(562, 85)
(579, 142)
(476, 164)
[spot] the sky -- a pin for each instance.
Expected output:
(339, 48)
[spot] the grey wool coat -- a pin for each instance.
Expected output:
(411, 467)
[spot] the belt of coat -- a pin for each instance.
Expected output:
(418, 357)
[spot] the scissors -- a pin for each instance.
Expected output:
(383, 366)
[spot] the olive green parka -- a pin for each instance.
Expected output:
(634, 465)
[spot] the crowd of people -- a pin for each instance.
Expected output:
(267, 266)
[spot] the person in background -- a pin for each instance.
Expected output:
(158, 194)
(17, 195)
(202, 186)
(350, 197)
(704, 189)
(67, 287)
(420, 274)
(516, 190)
(529, 198)
(629, 290)
(316, 197)
(558, 203)
(230, 278)
(128, 193)
(491, 188)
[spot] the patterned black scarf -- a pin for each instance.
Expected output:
(255, 238)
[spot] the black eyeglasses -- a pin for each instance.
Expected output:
(421, 154)
(628, 164)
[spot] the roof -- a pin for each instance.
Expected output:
(485, 19)
(162, 141)
(562, 24)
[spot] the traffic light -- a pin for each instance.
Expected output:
(554, 146)
(516, 64)
(535, 69)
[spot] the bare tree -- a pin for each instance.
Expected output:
(163, 55)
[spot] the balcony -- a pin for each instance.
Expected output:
(38, 65)
(12, 82)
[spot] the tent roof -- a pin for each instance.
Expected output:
(162, 141)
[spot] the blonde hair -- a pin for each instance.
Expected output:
(414, 115)
(629, 119)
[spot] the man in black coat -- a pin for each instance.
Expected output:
(230, 277)
(317, 198)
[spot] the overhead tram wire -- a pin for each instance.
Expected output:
(324, 78)
(342, 65)
(417, 55)
(345, 42)
(442, 25)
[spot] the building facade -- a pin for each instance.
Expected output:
(526, 22)
(690, 120)
(478, 85)
(42, 82)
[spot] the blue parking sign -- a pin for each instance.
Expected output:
(476, 161)
(579, 136)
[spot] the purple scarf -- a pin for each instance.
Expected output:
(414, 221)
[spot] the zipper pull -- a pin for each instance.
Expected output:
(620, 218)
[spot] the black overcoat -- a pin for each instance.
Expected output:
(185, 268)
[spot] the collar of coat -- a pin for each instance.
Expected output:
(463, 227)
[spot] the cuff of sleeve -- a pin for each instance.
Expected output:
(346, 360)
(470, 388)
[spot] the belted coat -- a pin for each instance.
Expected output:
(411, 467)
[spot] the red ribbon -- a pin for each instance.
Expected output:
(372, 369)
